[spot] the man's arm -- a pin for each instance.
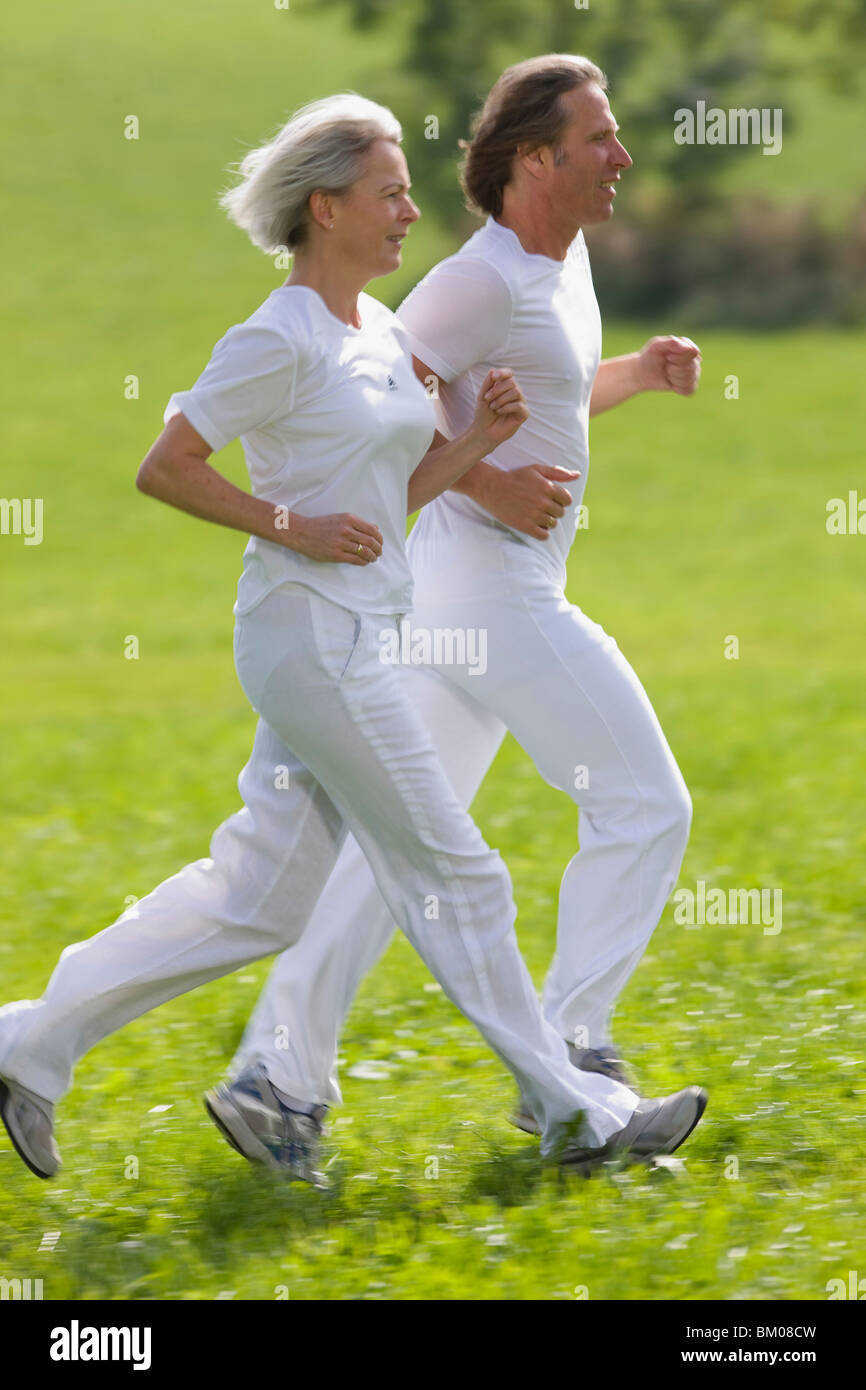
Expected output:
(663, 364)
(529, 499)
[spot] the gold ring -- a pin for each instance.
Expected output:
(360, 550)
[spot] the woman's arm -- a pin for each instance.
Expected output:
(530, 499)
(175, 470)
(499, 413)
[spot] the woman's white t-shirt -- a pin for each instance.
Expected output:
(332, 419)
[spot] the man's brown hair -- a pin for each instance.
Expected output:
(524, 107)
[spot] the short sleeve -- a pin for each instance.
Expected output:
(249, 379)
(458, 315)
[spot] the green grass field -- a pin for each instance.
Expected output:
(707, 520)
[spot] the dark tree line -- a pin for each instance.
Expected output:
(660, 56)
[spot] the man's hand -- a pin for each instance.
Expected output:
(669, 364)
(530, 499)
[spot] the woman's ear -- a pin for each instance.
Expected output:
(321, 209)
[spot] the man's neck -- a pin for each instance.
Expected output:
(538, 233)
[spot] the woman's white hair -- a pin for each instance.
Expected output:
(322, 146)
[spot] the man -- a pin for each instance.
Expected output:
(489, 563)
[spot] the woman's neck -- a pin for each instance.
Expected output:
(336, 284)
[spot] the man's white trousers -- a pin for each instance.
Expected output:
(563, 688)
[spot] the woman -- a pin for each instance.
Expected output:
(318, 383)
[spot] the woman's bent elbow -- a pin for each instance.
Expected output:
(143, 479)
(147, 477)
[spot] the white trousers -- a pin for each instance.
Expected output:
(339, 747)
(561, 685)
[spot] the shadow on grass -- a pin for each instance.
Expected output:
(226, 1210)
(507, 1176)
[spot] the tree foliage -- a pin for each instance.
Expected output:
(660, 56)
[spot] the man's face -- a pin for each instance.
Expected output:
(592, 158)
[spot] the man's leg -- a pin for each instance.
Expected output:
(580, 712)
(295, 1027)
(570, 698)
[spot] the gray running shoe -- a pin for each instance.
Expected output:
(605, 1060)
(29, 1121)
(600, 1059)
(251, 1116)
(522, 1117)
(656, 1127)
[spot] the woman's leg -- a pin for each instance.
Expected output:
(295, 1027)
(251, 897)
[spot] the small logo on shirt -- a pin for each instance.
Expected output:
(392, 385)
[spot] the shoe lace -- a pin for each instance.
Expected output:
(609, 1064)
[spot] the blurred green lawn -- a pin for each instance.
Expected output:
(706, 520)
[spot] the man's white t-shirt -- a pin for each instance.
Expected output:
(495, 305)
(332, 419)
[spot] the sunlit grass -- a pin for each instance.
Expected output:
(706, 522)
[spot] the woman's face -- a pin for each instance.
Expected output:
(371, 220)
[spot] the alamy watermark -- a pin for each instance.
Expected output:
(846, 516)
(77, 1343)
(437, 646)
(22, 516)
(855, 1288)
(715, 907)
(738, 126)
(21, 1289)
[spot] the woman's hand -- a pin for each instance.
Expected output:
(501, 409)
(499, 413)
(337, 539)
